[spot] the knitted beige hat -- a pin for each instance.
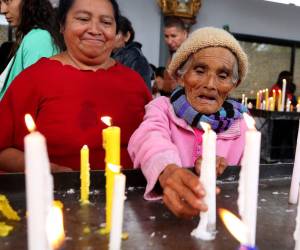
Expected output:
(209, 37)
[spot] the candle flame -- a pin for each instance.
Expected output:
(114, 168)
(284, 81)
(249, 121)
(206, 127)
(55, 226)
(234, 225)
(106, 120)
(30, 123)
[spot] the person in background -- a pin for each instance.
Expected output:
(68, 93)
(175, 33)
(290, 86)
(157, 89)
(210, 64)
(37, 35)
(5, 54)
(129, 52)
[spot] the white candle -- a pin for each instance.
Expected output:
(206, 229)
(283, 94)
(294, 189)
(298, 107)
(117, 212)
(248, 183)
(39, 187)
(297, 229)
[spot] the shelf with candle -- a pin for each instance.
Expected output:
(206, 229)
(236, 227)
(84, 175)
(39, 189)
(111, 143)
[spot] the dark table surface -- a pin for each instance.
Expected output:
(149, 224)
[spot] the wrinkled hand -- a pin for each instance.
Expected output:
(182, 191)
(58, 168)
(221, 165)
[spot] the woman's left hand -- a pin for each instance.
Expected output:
(221, 165)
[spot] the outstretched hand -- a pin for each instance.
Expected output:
(221, 165)
(182, 191)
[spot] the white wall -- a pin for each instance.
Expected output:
(255, 17)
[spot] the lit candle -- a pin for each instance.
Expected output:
(248, 183)
(271, 104)
(243, 99)
(279, 100)
(84, 175)
(297, 229)
(283, 94)
(39, 187)
(258, 100)
(236, 227)
(55, 226)
(294, 189)
(267, 99)
(117, 212)
(206, 229)
(111, 144)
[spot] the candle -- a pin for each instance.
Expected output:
(236, 227)
(271, 104)
(267, 98)
(84, 175)
(243, 99)
(206, 229)
(298, 107)
(248, 183)
(257, 100)
(246, 101)
(297, 229)
(39, 187)
(117, 212)
(279, 101)
(111, 144)
(283, 95)
(294, 189)
(55, 226)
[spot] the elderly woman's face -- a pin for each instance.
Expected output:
(208, 79)
(90, 30)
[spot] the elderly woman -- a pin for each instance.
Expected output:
(210, 64)
(68, 93)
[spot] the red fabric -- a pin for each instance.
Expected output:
(67, 104)
(276, 87)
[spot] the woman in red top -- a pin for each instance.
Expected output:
(68, 93)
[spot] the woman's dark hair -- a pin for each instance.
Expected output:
(65, 6)
(38, 14)
(125, 26)
(288, 76)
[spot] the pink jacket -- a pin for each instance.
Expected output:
(163, 138)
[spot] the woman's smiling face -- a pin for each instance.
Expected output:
(209, 79)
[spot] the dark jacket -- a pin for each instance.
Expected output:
(131, 56)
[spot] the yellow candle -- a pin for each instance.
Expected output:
(267, 99)
(257, 100)
(111, 144)
(84, 174)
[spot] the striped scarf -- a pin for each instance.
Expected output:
(220, 121)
